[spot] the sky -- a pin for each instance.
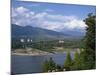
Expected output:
(52, 16)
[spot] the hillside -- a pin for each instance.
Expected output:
(36, 33)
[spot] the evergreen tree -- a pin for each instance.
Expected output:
(49, 65)
(52, 64)
(58, 67)
(68, 62)
(45, 66)
(83, 63)
(76, 61)
(89, 55)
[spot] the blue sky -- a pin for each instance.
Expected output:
(52, 16)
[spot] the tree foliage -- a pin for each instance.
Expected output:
(89, 42)
(49, 65)
(68, 62)
(76, 61)
(45, 66)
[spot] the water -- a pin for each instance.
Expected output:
(33, 64)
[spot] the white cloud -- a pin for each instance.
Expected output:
(21, 10)
(75, 24)
(40, 15)
(52, 25)
(23, 16)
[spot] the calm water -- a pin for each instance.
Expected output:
(33, 64)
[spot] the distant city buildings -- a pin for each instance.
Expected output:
(22, 40)
(61, 41)
(26, 40)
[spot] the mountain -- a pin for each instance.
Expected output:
(35, 33)
(75, 32)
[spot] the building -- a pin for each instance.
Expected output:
(61, 41)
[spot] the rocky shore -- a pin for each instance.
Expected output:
(29, 51)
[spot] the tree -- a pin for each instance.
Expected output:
(49, 65)
(76, 61)
(89, 55)
(52, 64)
(58, 67)
(45, 66)
(68, 62)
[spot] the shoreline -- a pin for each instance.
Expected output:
(36, 54)
(27, 54)
(23, 52)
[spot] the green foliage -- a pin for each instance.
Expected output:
(86, 59)
(58, 67)
(68, 62)
(52, 64)
(15, 44)
(76, 62)
(46, 45)
(49, 65)
(89, 42)
(46, 66)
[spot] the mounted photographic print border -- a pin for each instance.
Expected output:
(5, 36)
(52, 37)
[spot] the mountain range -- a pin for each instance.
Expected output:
(39, 33)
